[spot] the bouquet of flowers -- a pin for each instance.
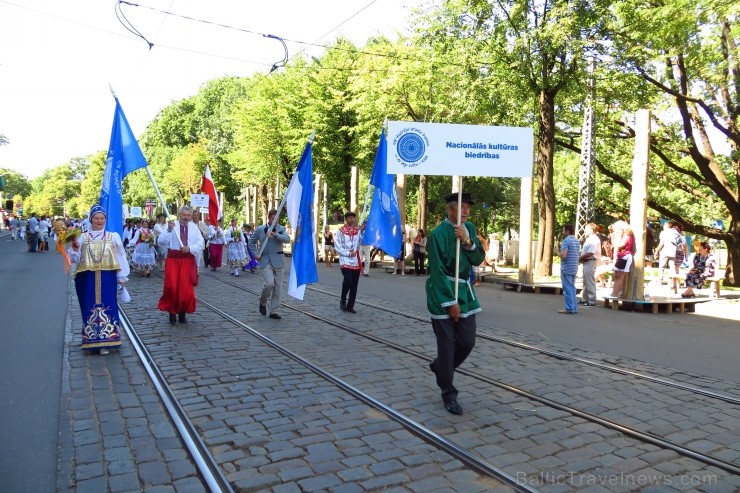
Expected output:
(65, 236)
(236, 235)
(147, 237)
(69, 235)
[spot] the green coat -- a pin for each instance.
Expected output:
(440, 284)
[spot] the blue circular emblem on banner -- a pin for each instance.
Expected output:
(411, 147)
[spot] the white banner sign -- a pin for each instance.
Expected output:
(465, 150)
(198, 200)
(136, 212)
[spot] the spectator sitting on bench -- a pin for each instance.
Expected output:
(705, 265)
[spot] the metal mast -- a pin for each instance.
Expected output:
(587, 173)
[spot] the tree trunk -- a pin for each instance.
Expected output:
(265, 201)
(422, 203)
(733, 254)
(545, 188)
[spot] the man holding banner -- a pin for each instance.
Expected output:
(453, 319)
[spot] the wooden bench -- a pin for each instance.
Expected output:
(656, 303)
(536, 288)
(675, 281)
(714, 286)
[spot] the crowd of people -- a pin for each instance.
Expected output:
(181, 246)
(613, 254)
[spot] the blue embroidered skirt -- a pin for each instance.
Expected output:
(96, 292)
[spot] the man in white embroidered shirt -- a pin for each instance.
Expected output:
(185, 243)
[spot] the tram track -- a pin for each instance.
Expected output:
(611, 424)
(212, 472)
(561, 356)
(207, 466)
(421, 431)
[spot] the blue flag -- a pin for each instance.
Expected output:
(383, 229)
(299, 201)
(124, 156)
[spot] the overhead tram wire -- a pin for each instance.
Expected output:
(216, 55)
(124, 36)
(156, 36)
(306, 43)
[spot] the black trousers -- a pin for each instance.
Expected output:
(419, 258)
(206, 256)
(349, 285)
(455, 341)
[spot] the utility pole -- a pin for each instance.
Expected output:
(587, 173)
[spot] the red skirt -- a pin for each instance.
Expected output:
(217, 252)
(179, 290)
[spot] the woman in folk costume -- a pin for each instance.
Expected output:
(236, 254)
(101, 265)
(247, 231)
(144, 257)
(216, 240)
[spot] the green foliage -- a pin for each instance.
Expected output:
(55, 191)
(508, 63)
(91, 184)
(15, 183)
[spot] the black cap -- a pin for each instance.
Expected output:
(350, 214)
(465, 198)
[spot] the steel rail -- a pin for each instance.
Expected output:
(634, 433)
(563, 356)
(423, 432)
(206, 464)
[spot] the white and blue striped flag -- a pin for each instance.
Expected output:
(299, 201)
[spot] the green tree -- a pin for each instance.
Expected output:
(686, 54)
(538, 48)
(15, 183)
(91, 184)
(54, 192)
(271, 131)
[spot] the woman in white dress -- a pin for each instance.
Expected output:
(236, 253)
(144, 258)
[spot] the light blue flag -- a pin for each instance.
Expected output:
(383, 229)
(124, 156)
(299, 202)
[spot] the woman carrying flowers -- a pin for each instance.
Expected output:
(144, 257)
(236, 253)
(100, 266)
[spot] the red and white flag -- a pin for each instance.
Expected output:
(208, 188)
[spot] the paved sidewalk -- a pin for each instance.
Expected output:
(115, 434)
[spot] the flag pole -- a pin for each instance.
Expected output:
(280, 207)
(457, 242)
(369, 184)
(161, 200)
